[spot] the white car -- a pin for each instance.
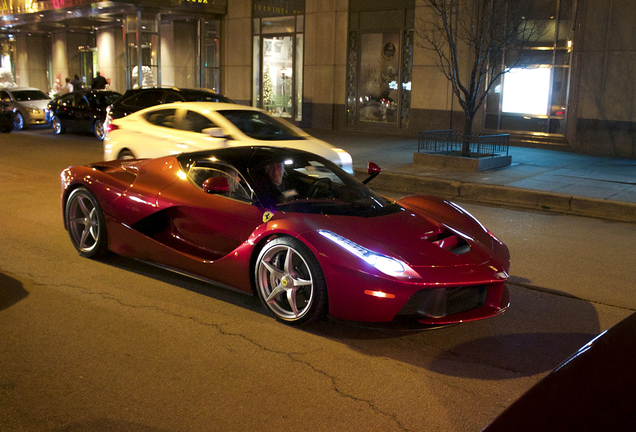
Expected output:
(179, 127)
(28, 104)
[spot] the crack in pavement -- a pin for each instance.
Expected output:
(218, 327)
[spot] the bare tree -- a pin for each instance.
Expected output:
(468, 39)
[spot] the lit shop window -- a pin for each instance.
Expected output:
(526, 91)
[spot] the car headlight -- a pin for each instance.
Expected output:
(33, 111)
(386, 264)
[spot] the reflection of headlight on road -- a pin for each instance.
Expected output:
(386, 264)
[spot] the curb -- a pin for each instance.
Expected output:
(505, 196)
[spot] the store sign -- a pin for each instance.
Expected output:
(8, 7)
(33, 6)
(274, 8)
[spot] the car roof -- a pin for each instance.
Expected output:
(202, 106)
(242, 156)
(89, 90)
(167, 87)
(21, 88)
(174, 89)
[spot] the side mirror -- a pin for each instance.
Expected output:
(373, 170)
(216, 185)
(215, 132)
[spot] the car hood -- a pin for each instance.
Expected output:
(416, 238)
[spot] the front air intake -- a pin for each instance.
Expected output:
(447, 239)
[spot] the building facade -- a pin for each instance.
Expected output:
(348, 65)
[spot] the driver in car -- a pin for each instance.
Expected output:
(278, 189)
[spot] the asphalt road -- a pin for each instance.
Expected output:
(117, 345)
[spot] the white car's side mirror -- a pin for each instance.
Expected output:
(215, 132)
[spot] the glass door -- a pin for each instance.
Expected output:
(142, 41)
(88, 65)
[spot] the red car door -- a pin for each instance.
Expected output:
(209, 226)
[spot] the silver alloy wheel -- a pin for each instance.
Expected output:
(56, 125)
(85, 223)
(18, 121)
(98, 129)
(289, 281)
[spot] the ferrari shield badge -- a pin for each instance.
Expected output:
(267, 216)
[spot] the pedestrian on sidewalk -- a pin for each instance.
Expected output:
(66, 88)
(99, 82)
(76, 83)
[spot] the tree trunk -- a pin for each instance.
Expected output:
(468, 131)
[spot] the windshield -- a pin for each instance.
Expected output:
(204, 96)
(260, 126)
(104, 98)
(303, 184)
(29, 95)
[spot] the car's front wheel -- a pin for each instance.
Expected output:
(18, 121)
(56, 125)
(290, 282)
(98, 129)
(85, 223)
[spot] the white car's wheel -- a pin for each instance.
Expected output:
(125, 154)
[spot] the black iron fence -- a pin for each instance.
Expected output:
(449, 141)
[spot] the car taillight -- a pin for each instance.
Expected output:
(111, 127)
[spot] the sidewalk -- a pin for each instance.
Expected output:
(550, 180)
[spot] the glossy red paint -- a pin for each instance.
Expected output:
(348, 277)
(154, 213)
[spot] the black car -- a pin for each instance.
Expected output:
(144, 97)
(6, 117)
(593, 390)
(82, 110)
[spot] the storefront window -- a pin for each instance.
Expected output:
(527, 91)
(379, 68)
(278, 61)
(532, 96)
(278, 55)
(378, 81)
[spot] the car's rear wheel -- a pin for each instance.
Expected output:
(290, 282)
(125, 154)
(85, 223)
(18, 121)
(56, 125)
(98, 129)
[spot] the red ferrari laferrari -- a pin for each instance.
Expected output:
(295, 229)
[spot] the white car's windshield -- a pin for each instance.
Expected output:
(260, 126)
(29, 95)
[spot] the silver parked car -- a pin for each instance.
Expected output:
(28, 105)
